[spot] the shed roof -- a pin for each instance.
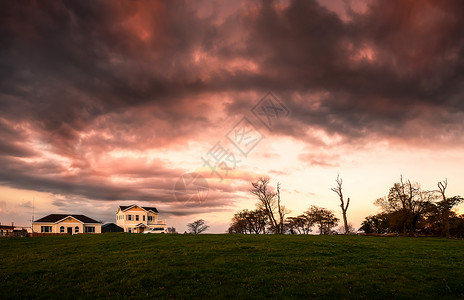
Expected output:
(6, 227)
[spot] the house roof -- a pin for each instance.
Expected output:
(53, 218)
(153, 209)
(110, 224)
(6, 227)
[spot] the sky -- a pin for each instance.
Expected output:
(182, 104)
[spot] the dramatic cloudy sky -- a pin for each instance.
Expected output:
(105, 103)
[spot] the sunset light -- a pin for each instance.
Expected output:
(319, 140)
(115, 102)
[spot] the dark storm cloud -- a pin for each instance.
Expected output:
(79, 79)
(156, 185)
(66, 62)
(397, 63)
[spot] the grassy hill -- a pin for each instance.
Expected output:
(230, 266)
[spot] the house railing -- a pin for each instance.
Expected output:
(159, 222)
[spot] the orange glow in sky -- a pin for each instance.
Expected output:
(111, 103)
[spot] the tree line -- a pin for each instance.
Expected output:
(406, 210)
(410, 210)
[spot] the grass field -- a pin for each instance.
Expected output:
(230, 266)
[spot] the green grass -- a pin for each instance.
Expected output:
(230, 266)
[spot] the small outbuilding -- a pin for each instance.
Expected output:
(111, 227)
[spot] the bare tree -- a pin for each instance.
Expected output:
(445, 205)
(197, 226)
(442, 185)
(268, 202)
(338, 191)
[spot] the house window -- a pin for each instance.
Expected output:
(143, 217)
(150, 218)
(76, 229)
(129, 230)
(129, 217)
(45, 228)
(136, 217)
(90, 229)
(62, 229)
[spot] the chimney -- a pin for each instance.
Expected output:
(12, 224)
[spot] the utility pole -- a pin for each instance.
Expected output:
(32, 221)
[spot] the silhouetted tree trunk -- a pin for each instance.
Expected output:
(267, 201)
(445, 207)
(338, 190)
(281, 209)
(442, 185)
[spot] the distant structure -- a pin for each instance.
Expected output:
(137, 219)
(111, 227)
(6, 230)
(66, 224)
(12, 231)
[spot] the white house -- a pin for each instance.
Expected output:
(134, 218)
(70, 224)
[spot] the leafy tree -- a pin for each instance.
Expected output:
(247, 221)
(457, 226)
(257, 220)
(171, 230)
(197, 226)
(407, 204)
(437, 223)
(236, 227)
(301, 224)
(322, 217)
(239, 224)
(376, 224)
